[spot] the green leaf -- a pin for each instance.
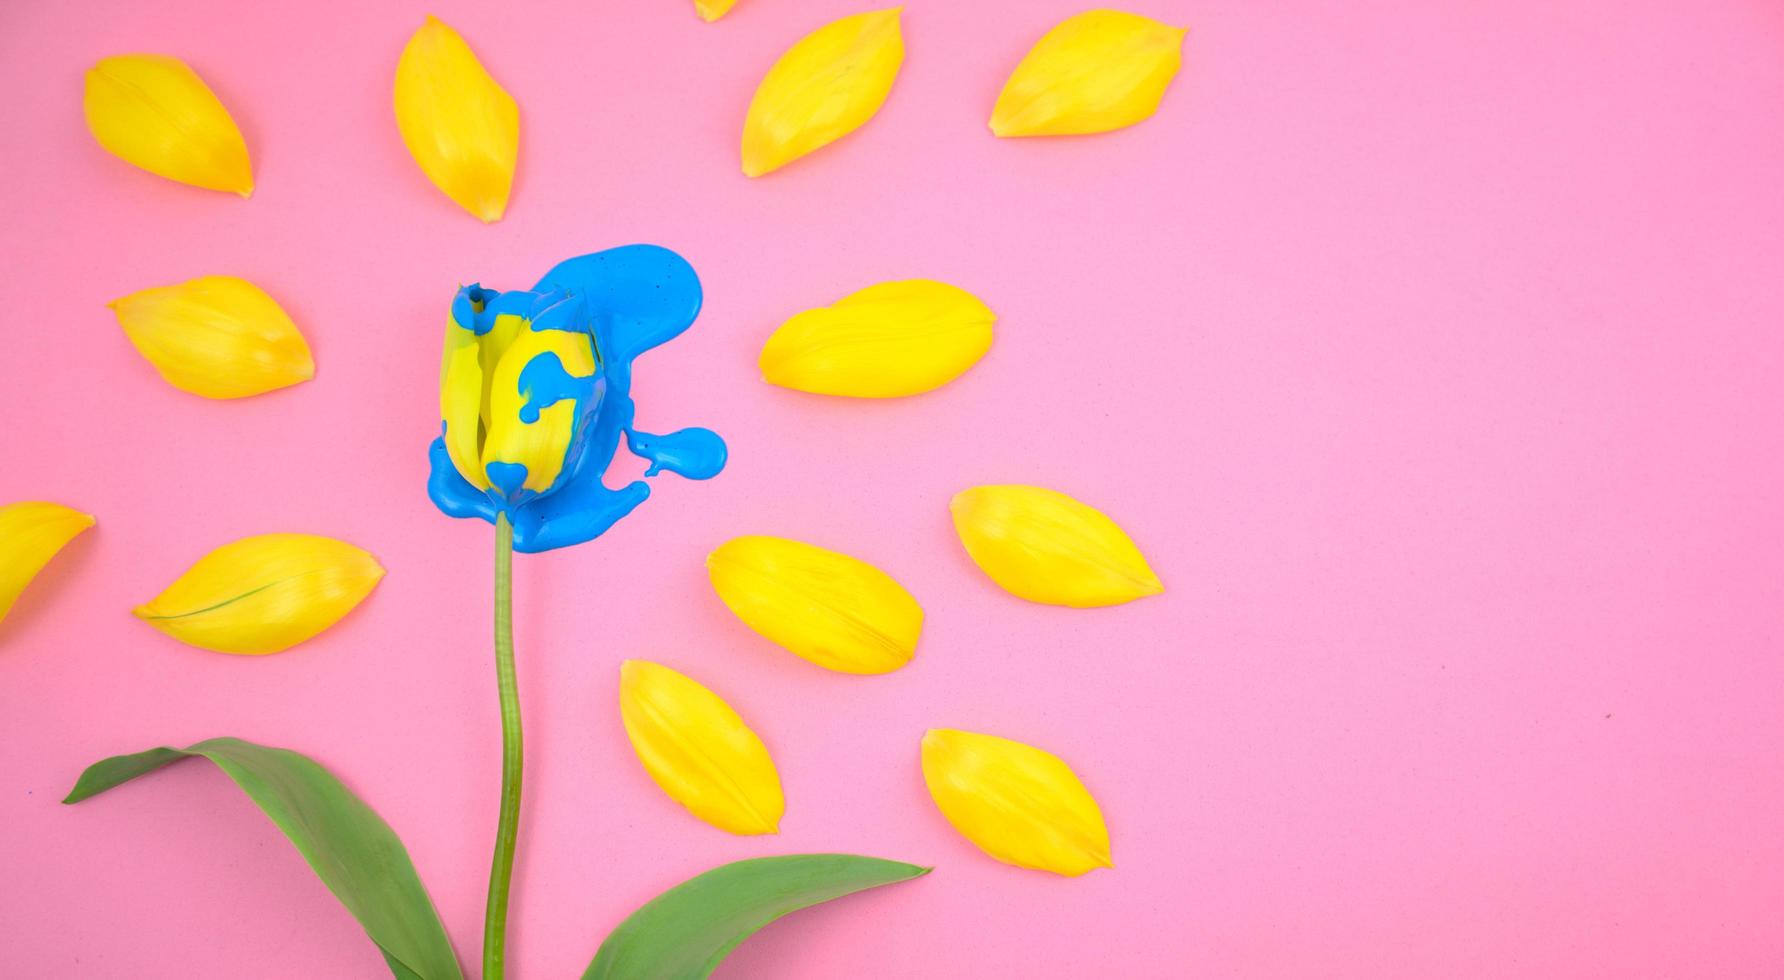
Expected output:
(684, 933)
(352, 849)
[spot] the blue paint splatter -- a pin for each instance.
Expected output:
(698, 454)
(629, 300)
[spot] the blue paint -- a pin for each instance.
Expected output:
(698, 454)
(629, 300)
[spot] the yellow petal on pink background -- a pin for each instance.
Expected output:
(826, 86)
(698, 750)
(834, 610)
(1046, 547)
(263, 594)
(216, 336)
(1097, 71)
(154, 111)
(1019, 804)
(889, 340)
(711, 10)
(31, 533)
(459, 124)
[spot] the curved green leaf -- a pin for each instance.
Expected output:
(352, 849)
(684, 933)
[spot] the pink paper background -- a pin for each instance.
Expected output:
(1431, 351)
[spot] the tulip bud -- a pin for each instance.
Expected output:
(825, 87)
(216, 336)
(1019, 804)
(31, 533)
(833, 610)
(519, 382)
(1046, 547)
(1097, 71)
(886, 341)
(459, 124)
(263, 594)
(698, 750)
(155, 112)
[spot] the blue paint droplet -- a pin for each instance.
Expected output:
(698, 454)
(507, 477)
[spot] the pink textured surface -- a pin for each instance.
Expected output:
(1432, 352)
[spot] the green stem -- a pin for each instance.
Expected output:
(501, 866)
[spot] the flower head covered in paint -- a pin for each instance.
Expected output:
(535, 393)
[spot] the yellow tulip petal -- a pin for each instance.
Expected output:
(711, 10)
(698, 750)
(216, 336)
(1097, 71)
(1019, 804)
(31, 533)
(539, 445)
(885, 341)
(461, 403)
(835, 611)
(1046, 547)
(155, 112)
(263, 594)
(825, 87)
(458, 123)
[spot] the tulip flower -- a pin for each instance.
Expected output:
(535, 395)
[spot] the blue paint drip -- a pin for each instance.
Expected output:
(630, 299)
(698, 454)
